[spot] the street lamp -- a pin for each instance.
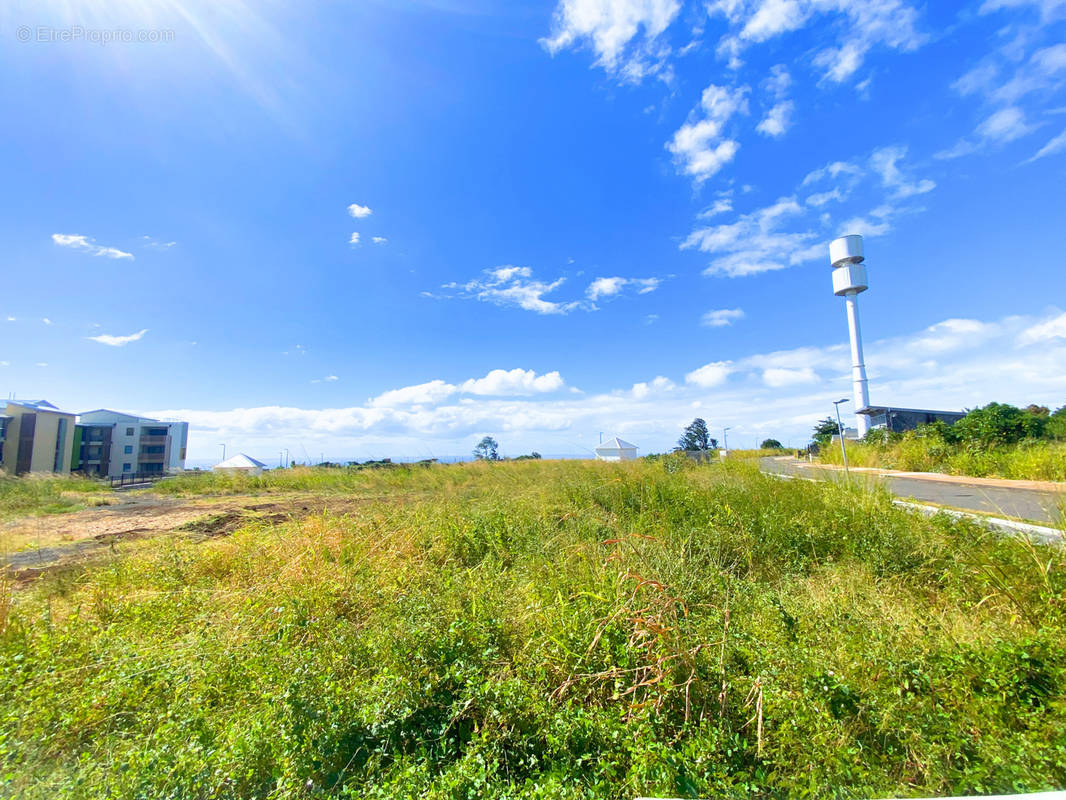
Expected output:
(725, 438)
(840, 430)
(223, 446)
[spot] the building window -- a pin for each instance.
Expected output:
(127, 449)
(127, 467)
(61, 445)
(129, 431)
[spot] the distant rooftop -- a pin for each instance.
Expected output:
(38, 405)
(120, 416)
(873, 411)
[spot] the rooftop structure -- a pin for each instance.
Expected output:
(615, 449)
(240, 463)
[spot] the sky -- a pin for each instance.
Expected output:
(386, 229)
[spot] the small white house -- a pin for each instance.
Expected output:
(240, 463)
(616, 449)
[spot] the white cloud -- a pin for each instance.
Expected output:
(515, 382)
(156, 244)
(76, 241)
(609, 287)
(777, 120)
(860, 26)
(354, 239)
(1049, 9)
(5, 363)
(430, 392)
(378, 239)
(46, 321)
(497, 383)
(604, 287)
(787, 233)
(885, 162)
(1004, 125)
(1054, 146)
(699, 147)
(710, 375)
(720, 206)
(10, 319)
(359, 212)
(1001, 127)
(1043, 332)
(778, 376)
(515, 286)
(326, 379)
(117, 341)
(753, 242)
(722, 317)
(623, 34)
(658, 385)
(833, 170)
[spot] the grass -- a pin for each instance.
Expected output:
(46, 495)
(545, 629)
(1027, 460)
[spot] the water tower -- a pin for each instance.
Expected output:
(849, 278)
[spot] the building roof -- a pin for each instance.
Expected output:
(116, 416)
(615, 443)
(875, 410)
(39, 405)
(240, 461)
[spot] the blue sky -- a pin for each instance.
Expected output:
(595, 215)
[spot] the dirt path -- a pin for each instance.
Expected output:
(33, 544)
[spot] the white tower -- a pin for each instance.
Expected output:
(849, 278)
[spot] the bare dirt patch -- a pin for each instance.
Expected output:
(33, 544)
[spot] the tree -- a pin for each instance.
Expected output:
(825, 430)
(771, 444)
(487, 450)
(997, 424)
(696, 437)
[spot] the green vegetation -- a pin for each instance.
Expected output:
(997, 440)
(696, 437)
(545, 629)
(771, 444)
(45, 495)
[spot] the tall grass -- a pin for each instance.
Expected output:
(544, 629)
(43, 494)
(1027, 460)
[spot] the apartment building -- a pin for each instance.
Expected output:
(35, 436)
(112, 443)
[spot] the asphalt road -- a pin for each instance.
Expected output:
(1027, 504)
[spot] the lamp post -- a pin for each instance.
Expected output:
(223, 446)
(840, 429)
(725, 438)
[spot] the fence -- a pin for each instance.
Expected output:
(133, 478)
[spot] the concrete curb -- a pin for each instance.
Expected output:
(1038, 533)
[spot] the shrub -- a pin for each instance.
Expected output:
(997, 424)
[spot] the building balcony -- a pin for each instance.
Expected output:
(147, 440)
